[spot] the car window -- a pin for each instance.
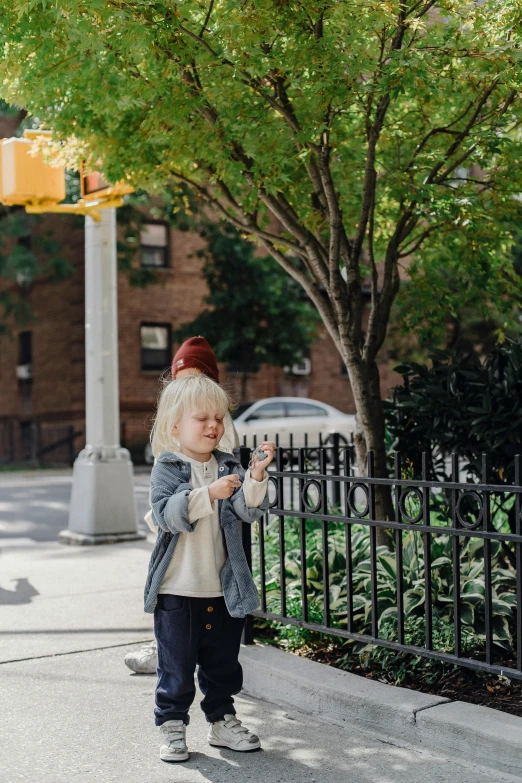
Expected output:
(272, 410)
(241, 409)
(304, 409)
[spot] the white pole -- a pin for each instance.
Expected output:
(102, 404)
(103, 508)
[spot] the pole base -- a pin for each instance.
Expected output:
(85, 539)
(103, 507)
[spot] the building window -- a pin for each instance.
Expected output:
(155, 347)
(24, 368)
(238, 368)
(154, 244)
(302, 367)
(344, 370)
(25, 348)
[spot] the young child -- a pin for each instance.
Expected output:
(194, 356)
(199, 585)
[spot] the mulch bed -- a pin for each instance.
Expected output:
(459, 684)
(463, 684)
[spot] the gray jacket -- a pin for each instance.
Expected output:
(169, 495)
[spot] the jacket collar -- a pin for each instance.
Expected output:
(221, 456)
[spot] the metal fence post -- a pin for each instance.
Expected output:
(12, 450)
(246, 536)
(71, 444)
(33, 446)
(336, 467)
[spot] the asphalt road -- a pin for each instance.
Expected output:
(35, 505)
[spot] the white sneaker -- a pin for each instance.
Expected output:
(174, 745)
(229, 733)
(144, 660)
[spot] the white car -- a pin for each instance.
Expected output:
(279, 417)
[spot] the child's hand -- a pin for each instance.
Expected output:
(223, 487)
(258, 470)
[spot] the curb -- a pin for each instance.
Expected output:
(478, 734)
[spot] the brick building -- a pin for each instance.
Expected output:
(42, 368)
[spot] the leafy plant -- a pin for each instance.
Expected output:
(467, 405)
(294, 637)
(397, 667)
(472, 587)
(463, 403)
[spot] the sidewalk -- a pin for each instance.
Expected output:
(71, 711)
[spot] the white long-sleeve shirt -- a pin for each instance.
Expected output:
(195, 568)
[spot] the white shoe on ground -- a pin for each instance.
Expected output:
(144, 660)
(230, 733)
(173, 746)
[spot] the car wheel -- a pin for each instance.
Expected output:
(330, 439)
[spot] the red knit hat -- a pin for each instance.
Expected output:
(196, 353)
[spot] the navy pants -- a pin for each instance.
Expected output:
(196, 632)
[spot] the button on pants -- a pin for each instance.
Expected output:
(196, 632)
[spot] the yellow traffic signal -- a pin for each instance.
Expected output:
(94, 186)
(26, 178)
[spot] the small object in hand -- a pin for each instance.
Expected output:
(258, 454)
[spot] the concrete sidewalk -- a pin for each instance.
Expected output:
(82, 717)
(71, 711)
(59, 599)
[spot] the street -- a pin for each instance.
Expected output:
(39, 514)
(71, 711)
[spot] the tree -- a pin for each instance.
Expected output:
(461, 404)
(344, 136)
(256, 315)
(466, 405)
(25, 252)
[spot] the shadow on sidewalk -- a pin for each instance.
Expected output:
(23, 593)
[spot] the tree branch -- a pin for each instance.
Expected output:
(374, 276)
(368, 193)
(380, 313)
(241, 219)
(455, 165)
(207, 19)
(313, 292)
(418, 241)
(463, 134)
(424, 8)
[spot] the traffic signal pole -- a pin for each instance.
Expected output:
(103, 507)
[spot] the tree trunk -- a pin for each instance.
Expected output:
(369, 436)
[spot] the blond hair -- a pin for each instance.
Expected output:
(178, 397)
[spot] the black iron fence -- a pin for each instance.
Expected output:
(450, 561)
(38, 443)
(337, 449)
